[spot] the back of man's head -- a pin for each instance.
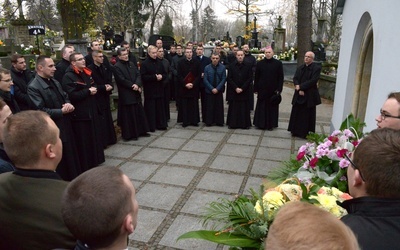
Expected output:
(97, 205)
(302, 226)
(25, 135)
(396, 96)
(378, 159)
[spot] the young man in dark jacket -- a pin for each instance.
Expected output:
(374, 182)
(21, 77)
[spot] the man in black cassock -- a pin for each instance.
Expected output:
(102, 76)
(250, 59)
(189, 73)
(204, 61)
(131, 116)
(153, 74)
(306, 97)
(131, 56)
(268, 81)
(46, 94)
(174, 67)
(240, 76)
(166, 81)
(64, 64)
(81, 90)
(95, 46)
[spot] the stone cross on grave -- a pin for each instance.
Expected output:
(280, 22)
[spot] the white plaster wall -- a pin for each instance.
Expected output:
(385, 16)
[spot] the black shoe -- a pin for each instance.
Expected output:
(161, 128)
(146, 135)
(220, 125)
(195, 124)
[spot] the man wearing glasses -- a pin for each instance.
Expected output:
(389, 116)
(374, 182)
(102, 76)
(5, 90)
(81, 89)
(131, 116)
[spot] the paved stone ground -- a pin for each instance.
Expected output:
(177, 171)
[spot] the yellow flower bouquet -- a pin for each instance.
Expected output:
(244, 222)
(317, 175)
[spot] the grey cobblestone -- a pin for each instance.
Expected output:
(178, 171)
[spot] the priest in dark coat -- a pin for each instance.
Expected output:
(204, 61)
(64, 64)
(214, 83)
(240, 76)
(189, 73)
(81, 89)
(250, 59)
(95, 46)
(174, 67)
(166, 81)
(46, 94)
(102, 76)
(131, 116)
(189, 76)
(306, 97)
(268, 81)
(152, 73)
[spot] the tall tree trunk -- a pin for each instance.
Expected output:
(71, 23)
(155, 10)
(304, 28)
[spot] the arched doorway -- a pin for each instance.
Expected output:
(363, 74)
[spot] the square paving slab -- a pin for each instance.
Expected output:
(168, 143)
(121, 150)
(231, 163)
(238, 150)
(243, 139)
(221, 182)
(148, 222)
(200, 146)
(189, 159)
(154, 154)
(174, 175)
(159, 196)
(181, 225)
(138, 170)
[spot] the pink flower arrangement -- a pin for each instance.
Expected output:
(324, 163)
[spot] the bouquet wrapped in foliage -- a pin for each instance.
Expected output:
(316, 174)
(322, 159)
(244, 222)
